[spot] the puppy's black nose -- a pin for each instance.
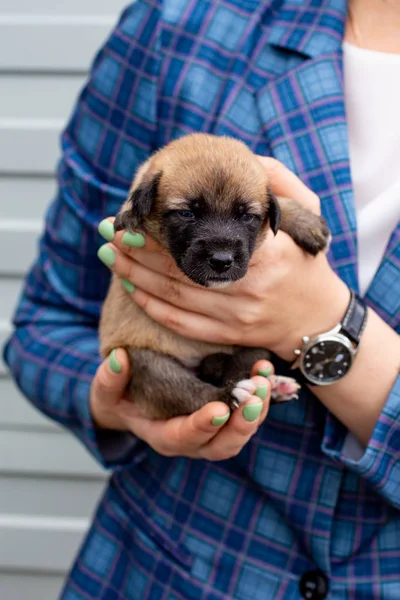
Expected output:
(221, 261)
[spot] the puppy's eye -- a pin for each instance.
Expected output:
(247, 217)
(185, 214)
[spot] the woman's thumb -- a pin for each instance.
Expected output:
(112, 377)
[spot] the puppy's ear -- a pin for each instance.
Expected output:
(141, 200)
(274, 212)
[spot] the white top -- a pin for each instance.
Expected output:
(372, 99)
(372, 95)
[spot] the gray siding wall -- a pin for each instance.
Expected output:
(49, 484)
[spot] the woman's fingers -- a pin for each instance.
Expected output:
(154, 282)
(194, 313)
(125, 240)
(181, 436)
(141, 248)
(212, 432)
(107, 393)
(187, 324)
(242, 424)
(263, 368)
(170, 291)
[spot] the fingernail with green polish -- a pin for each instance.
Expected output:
(106, 230)
(265, 372)
(113, 362)
(261, 392)
(251, 412)
(128, 286)
(218, 421)
(134, 240)
(106, 255)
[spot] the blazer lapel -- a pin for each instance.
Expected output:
(302, 116)
(304, 125)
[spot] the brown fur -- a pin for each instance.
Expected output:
(124, 325)
(220, 170)
(188, 169)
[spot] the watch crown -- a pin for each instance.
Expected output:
(306, 339)
(297, 352)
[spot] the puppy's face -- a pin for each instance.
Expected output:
(206, 200)
(211, 240)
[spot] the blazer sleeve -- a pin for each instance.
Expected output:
(53, 351)
(379, 462)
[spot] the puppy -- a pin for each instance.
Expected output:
(206, 200)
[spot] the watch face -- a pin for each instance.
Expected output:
(326, 361)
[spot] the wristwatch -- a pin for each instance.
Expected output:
(328, 357)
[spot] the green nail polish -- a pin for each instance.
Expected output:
(265, 372)
(114, 364)
(218, 421)
(128, 286)
(106, 255)
(261, 392)
(106, 230)
(251, 412)
(135, 240)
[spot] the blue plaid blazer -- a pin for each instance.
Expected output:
(270, 73)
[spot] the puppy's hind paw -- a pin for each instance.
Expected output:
(283, 389)
(241, 392)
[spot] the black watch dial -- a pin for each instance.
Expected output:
(326, 361)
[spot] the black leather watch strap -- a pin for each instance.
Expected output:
(355, 318)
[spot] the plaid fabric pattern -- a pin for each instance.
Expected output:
(292, 501)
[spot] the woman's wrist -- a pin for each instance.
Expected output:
(324, 306)
(358, 399)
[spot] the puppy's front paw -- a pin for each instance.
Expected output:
(283, 389)
(317, 238)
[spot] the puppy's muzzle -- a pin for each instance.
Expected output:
(211, 260)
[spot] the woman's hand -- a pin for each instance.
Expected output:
(286, 293)
(210, 433)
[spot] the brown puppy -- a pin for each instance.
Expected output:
(207, 201)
